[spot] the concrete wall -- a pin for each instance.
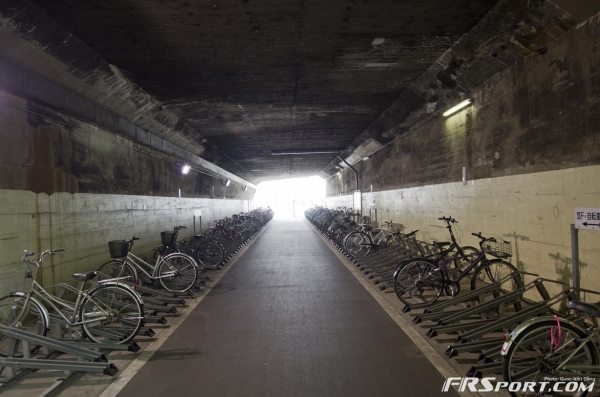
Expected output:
(531, 148)
(66, 182)
(82, 224)
(541, 114)
(45, 150)
(334, 202)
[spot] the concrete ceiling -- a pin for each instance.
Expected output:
(254, 77)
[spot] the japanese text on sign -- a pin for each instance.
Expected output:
(587, 218)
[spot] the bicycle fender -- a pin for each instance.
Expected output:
(522, 327)
(44, 310)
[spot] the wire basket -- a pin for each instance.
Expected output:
(15, 277)
(166, 238)
(118, 248)
(498, 248)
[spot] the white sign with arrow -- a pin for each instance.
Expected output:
(587, 218)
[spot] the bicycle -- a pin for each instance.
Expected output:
(459, 254)
(175, 272)
(107, 312)
(424, 279)
(207, 253)
(552, 347)
(367, 239)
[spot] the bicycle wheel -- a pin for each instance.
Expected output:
(209, 253)
(494, 270)
(111, 314)
(31, 318)
(357, 244)
(177, 272)
(532, 356)
(119, 268)
(418, 281)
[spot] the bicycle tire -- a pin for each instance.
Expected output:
(418, 280)
(492, 271)
(177, 272)
(119, 268)
(530, 349)
(357, 244)
(209, 253)
(126, 311)
(35, 321)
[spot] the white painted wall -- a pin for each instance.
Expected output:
(82, 224)
(334, 202)
(534, 211)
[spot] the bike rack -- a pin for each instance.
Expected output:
(87, 360)
(474, 295)
(502, 300)
(60, 324)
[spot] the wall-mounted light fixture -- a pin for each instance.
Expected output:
(244, 188)
(456, 108)
(226, 182)
(366, 158)
(185, 169)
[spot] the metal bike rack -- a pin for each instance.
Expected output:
(60, 324)
(87, 360)
(160, 293)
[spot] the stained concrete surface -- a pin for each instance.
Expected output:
(288, 320)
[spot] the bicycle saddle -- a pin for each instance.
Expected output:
(376, 230)
(441, 244)
(368, 227)
(587, 308)
(85, 276)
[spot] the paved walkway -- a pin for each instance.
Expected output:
(287, 320)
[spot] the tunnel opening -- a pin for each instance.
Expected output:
(289, 198)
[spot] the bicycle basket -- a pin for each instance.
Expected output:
(166, 238)
(498, 248)
(15, 278)
(118, 248)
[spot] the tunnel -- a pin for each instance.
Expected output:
(298, 197)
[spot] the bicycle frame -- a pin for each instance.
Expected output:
(479, 260)
(54, 302)
(44, 298)
(142, 265)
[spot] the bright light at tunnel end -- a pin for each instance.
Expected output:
(289, 198)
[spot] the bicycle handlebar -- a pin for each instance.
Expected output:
(28, 254)
(483, 238)
(176, 228)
